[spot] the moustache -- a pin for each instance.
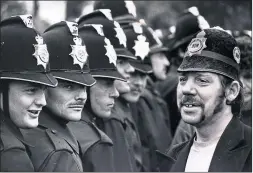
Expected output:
(77, 103)
(190, 100)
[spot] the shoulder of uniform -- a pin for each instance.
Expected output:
(9, 140)
(87, 134)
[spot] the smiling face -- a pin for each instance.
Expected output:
(200, 96)
(125, 69)
(102, 97)
(26, 100)
(137, 83)
(67, 100)
(160, 65)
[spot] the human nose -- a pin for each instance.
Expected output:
(188, 88)
(130, 68)
(41, 99)
(82, 94)
(114, 92)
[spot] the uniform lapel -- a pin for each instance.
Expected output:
(230, 153)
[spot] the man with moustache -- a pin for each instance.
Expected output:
(22, 89)
(194, 22)
(210, 98)
(115, 126)
(56, 148)
(98, 150)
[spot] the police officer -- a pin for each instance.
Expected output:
(209, 97)
(56, 147)
(24, 76)
(113, 125)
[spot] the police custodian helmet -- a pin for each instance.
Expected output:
(69, 58)
(24, 54)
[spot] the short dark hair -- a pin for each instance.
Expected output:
(236, 104)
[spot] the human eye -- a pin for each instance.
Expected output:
(182, 79)
(120, 62)
(68, 86)
(202, 81)
(31, 90)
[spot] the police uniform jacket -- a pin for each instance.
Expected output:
(96, 147)
(115, 127)
(56, 149)
(233, 152)
(14, 152)
(123, 109)
(149, 114)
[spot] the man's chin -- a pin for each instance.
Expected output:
(130, 98)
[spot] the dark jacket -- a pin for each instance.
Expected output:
(121, 108)
(233, 152)
(114, 127)
(183, 133)
(168, 90)
(14, 152)
(96, 147)
(56, 149)
(152, 119)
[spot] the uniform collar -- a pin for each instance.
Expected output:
(58, 126)
(13, 128)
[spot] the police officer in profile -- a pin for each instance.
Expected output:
(120, 125)
(209, 97)
(24, 76)
(101, 96)
(56, 148)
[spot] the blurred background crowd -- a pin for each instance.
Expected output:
(160, 15)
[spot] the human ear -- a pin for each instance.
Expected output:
(232, 91)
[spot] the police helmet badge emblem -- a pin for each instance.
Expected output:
(131, 7)
(237, 54)
(110, 51)
(120, 34)
(137, 28)
(73, 28)
(107, 13)
(41, 53)
(28, 20)
(196, 45)
(141, 47)
(79, 53)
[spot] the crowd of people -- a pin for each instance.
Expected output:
(105, 94)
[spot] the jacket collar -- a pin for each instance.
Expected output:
(225, 154)
(91, 119)
(48, 120)
(13, 128)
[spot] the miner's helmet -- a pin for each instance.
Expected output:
(213, 50)
(102, 55)
(121, 10)
(69, 58)
(138, 44)
(24, 54)
(111, 29)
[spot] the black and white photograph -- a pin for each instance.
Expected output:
(126, 86)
